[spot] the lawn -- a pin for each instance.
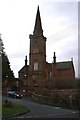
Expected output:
(16, 108)
(0, 107)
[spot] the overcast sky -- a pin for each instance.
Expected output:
(59, 23)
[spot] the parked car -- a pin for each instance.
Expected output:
(13, 94)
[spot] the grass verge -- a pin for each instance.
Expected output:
(15, 109)
(0, 108)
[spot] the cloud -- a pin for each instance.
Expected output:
(17, 64)
(58, 15)
(19, 54)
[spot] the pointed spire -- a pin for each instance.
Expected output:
(38, 25)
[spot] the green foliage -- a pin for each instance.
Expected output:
(64, 83)
(14, 88)
(7, 73)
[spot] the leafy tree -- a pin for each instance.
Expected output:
(7, 73)
(14, 87)
(65, 83)
(61, 83)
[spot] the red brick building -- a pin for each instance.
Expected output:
(39, 70)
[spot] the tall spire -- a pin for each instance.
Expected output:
(38, 25)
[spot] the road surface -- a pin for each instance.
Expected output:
(38, 110)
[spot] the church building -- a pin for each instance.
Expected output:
(39, 71)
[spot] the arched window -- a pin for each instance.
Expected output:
(35, 65)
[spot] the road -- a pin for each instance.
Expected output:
(38, 110)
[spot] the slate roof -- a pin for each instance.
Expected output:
(64, 65)
(60, 65)
(24, 68)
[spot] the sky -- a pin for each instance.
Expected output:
(59, 23)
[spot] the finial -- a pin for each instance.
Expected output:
(26, 56)
(54, 54)
(72, 59)
(26, 60)
(54, 58)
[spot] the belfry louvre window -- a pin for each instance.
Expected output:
(35, 65)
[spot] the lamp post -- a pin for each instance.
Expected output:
(17, 84)
(70, 98)
(6, 79)
(24, 84)
(6, 82)
(6, 76)
(25, 80)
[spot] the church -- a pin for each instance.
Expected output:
(39, 71)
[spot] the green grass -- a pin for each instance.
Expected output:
(0, 104)
(0, 107)
(16, 108)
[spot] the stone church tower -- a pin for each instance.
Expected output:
(39, 72)
(37, 54)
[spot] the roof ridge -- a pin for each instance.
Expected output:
(64, 61)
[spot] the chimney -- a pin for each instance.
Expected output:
(26, 60)
(54, 58)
